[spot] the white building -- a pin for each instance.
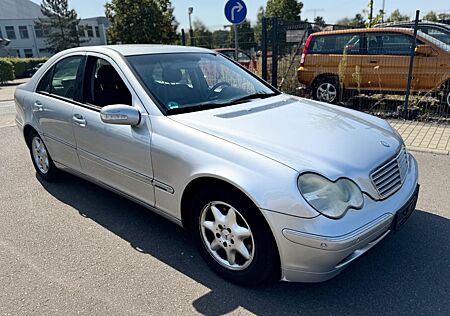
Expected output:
(17, 24)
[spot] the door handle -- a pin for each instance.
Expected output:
(79, 120)
(37, 105)
(373, 61)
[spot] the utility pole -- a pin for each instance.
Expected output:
(382, 8)
(191, 31)
(370, 12)
(314, 11)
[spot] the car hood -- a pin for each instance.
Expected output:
(302, 134)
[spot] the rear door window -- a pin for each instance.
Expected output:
(388, 43)
(335, 44)
(64, 77)
(60, 80)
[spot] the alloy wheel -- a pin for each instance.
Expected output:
(326, 92)
(40, 154)
(227, 236)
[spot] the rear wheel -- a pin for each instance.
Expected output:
(446, 100)
(233, 237)
(327, 90)
(42, 161)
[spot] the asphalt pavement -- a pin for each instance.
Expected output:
(74, 248)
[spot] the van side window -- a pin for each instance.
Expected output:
(103, 85)
(335, 44)
(388, 44)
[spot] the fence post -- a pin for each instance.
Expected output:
(183, 38)
(411, 64)
(264, 49)
(274, 51)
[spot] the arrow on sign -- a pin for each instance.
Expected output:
(237, 7)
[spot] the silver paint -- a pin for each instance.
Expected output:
(260, 147)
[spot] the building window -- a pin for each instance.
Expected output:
(43, 50)
(28, 52)
(1, 35)
(90, 31)
(41, 31)
(10, 33)
(97, 31)
(23, 31)
(81, 31)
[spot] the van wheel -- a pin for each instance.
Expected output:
(42, 161)
(327, 90)
(233, 237)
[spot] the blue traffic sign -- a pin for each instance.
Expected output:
(235, 11)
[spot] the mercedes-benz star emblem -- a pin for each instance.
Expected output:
(385, 144)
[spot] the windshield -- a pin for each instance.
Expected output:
(196, 81)
(442, 45)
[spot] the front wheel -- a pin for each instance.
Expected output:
(233, 237)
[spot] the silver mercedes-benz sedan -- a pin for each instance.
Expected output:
(270, 186)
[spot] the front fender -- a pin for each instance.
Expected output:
(181, 154)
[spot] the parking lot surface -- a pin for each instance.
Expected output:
(72, 247)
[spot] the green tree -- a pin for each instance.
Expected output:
(203, 36)
(141, 21)
(61, 24)
(288, 10)
(319, 21)
(430, 16)
(219, 38)
(358, 21)
(246, 36)
(396, 16)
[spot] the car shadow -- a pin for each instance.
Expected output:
(407, 273)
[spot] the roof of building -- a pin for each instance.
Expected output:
(19, 9)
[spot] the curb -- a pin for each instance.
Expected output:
(429, 150)
(7, 100)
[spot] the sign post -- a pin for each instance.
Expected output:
(235, 12)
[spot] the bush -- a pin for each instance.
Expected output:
(22, 64)
(6, 71)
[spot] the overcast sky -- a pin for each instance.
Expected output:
(211, 11)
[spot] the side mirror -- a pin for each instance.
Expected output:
(424, 50)
(120, 114)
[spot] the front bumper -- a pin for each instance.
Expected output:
(317, 249)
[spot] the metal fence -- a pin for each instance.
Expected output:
(386, 70)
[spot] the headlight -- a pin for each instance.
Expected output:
(332, 199)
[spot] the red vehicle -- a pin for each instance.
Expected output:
(243, 58)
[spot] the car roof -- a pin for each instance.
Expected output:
(364, 30)
(142, 49)
(411, 23)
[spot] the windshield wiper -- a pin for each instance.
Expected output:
(253, 96)
(194, 108)
(211, 105)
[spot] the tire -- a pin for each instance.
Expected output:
(327, 90)
(446, 97)
(256, 264)
(41, 159)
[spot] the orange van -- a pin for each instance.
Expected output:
(373, 60)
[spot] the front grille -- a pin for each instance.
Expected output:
(389, 178)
